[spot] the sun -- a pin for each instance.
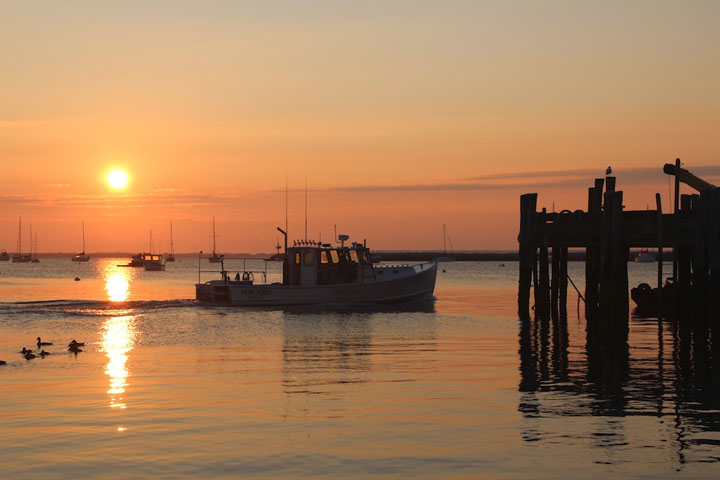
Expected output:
(117, 179)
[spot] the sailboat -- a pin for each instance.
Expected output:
(215, 258)
(445, 257)
(82, 257)
(20, 257)
(170, 257)
(34, 257)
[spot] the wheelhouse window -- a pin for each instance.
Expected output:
(309, 259)
(353, 256)
(334, 256)
(297, 258)
(323, 257)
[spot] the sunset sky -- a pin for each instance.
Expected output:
(402, 115)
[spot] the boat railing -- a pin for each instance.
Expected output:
(242, 275)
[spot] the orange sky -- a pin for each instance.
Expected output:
(403, 115)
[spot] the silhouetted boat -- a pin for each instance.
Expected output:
(170, 257)
(82, 257)
(645, 256)
(318, 274)
(153, 263)
(4, 257)
(137, 261)
(215, 258)
(444, 257)
(647, 299)
(20, 257)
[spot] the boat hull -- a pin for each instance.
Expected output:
(395, 286)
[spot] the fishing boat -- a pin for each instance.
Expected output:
(215, 258)
(648, 299)
(153, 263)
(645, 256)
(20, 257)
(445, 257)
(316, 273)
(137, 261)
(170, 257)
(82, 257)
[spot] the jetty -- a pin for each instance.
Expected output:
(607, 232)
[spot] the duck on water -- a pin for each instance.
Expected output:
(317, 273)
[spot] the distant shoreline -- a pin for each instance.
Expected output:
(378, 255)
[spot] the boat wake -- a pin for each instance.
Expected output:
(90, 307)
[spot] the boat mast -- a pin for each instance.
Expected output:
(19, 242)
(444, 236)
(306, 208)
(172, 247)
(83, 232)
(214, 254)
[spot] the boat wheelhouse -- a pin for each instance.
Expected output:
(320, 274)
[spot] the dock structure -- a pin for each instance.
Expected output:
(607, 232)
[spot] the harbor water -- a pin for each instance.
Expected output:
(457, 387)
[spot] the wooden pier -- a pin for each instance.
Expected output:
(607, 232)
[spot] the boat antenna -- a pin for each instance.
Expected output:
(306, 207)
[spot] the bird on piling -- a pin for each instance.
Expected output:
(40, 343)
(608, 170)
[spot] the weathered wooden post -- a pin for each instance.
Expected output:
(701, 210)
(528, 218)
(683, 257)
(592, 256)
(714, 257)
(660, 240)
(542, 289)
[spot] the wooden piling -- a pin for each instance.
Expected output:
(592, 255)
(563, 287)
(555, 283)
(713, 249)
(528, 205)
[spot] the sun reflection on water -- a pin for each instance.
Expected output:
(118, 338)
(117, 283)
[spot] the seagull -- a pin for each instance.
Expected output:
(608, 170)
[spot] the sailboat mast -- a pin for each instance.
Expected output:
(83, 232)
(172, 247)
(306, 209)
(19, 244)
(444, 237)
(213, 235)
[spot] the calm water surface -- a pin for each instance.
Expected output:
(458, 388)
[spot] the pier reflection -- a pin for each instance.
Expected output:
(118, 339)
(666, 370)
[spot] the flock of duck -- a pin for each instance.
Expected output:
(73, 347)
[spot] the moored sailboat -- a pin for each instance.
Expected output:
(82, 257)
(170, 257)
(20, 257)
(215, 258)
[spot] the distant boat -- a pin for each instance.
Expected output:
(644, 256)
(20, 257)
(170, 257)
(215, 258)
(445, 257)
(277, 257)
(4, 257)
(33, 256)
(82, 257)
(153, 262)
(137, 261)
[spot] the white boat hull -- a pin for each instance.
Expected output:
(394, 284)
